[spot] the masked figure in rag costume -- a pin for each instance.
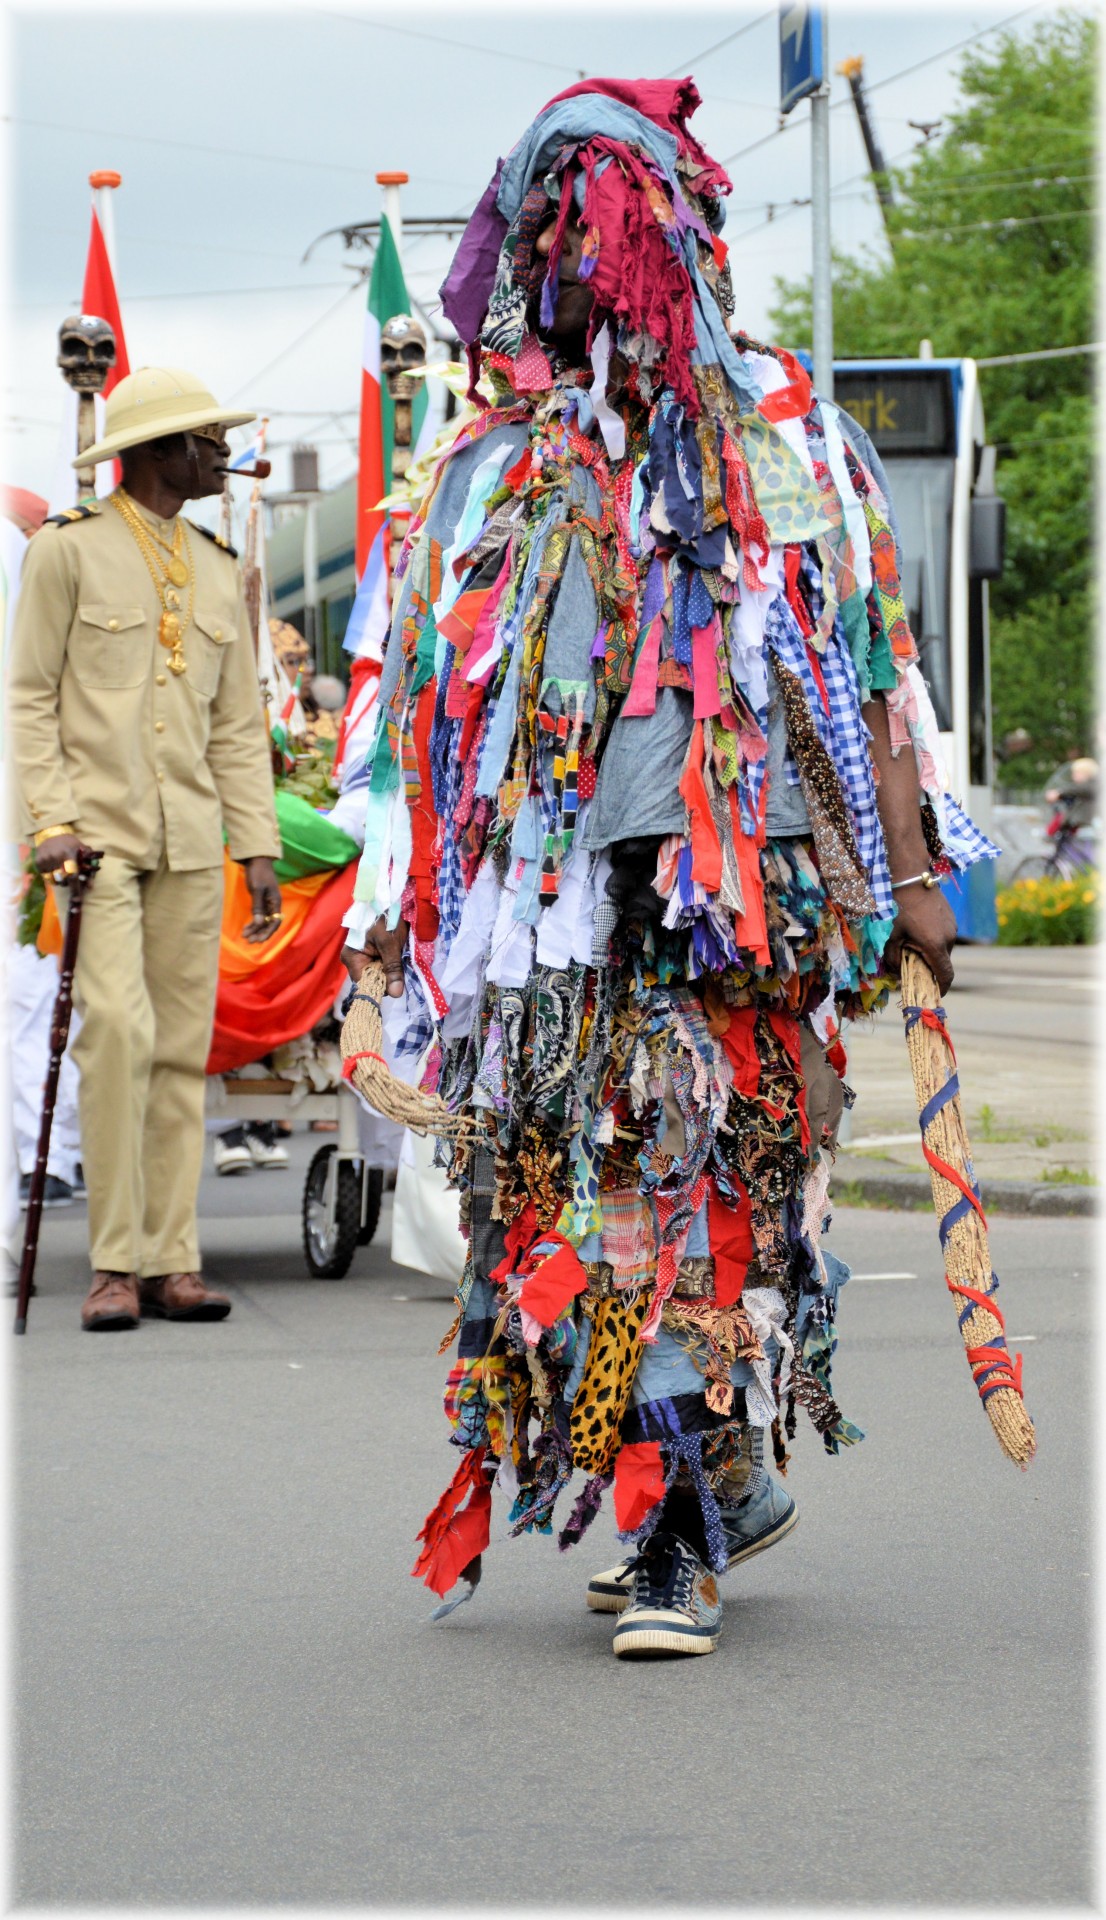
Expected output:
(655, 799)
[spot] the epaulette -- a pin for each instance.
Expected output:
(73, 513)
(219, 542)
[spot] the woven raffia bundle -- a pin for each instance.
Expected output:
(963, 1227)
(364, 1066)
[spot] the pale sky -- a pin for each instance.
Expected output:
(244, 133)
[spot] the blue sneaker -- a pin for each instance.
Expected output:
(759, 1520)
(674, 1606)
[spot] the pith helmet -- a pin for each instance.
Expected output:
(152, 402)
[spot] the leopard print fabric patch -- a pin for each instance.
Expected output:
(604, 1391)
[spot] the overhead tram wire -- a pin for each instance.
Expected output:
(438, 39)
(685, 66)
(198, 146)
(355, 286)
(790, 125)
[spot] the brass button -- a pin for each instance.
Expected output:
(218, 633)
(160, 776)
(161, 680)
(159, 726)
(113, 626)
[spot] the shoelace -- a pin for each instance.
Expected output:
(669, 1569)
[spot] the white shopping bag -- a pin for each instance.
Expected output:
(425, 1219)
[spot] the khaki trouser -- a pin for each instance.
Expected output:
(147, 969)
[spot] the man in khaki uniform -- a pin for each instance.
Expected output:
(136, 729)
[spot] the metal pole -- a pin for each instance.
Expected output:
(822, 253)
(311, 574)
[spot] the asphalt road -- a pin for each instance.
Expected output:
(228, 1691)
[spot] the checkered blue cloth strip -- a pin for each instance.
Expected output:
(419, 1030)
(842, 733)
(960, 837)
(854, 765)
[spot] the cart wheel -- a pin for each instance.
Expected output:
(373, 1197)
(330, 1244)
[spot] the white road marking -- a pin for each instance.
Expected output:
(884, 1276)
(880, 1140)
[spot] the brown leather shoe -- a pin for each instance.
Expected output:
(112, 1304)
(182, 1296)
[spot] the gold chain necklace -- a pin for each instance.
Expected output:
(174, 566)
(171, 628)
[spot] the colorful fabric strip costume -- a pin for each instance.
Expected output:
(622, 794)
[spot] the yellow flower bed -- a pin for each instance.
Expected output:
(1049, 913)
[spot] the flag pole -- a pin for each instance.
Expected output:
(390, 184)
(103, 183)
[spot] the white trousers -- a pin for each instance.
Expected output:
(32, 991)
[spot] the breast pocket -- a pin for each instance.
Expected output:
(205, 649)
(109, 646)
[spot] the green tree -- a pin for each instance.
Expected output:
(992, 252)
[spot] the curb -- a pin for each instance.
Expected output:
(875, 1183)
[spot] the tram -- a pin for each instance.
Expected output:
(925, 419)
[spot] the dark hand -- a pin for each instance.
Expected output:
(63, 850)
(264, 898)
(383, 946)
(926, 924)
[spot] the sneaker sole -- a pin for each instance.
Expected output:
(789, 1522)
(646, 1640)
(242, 1166)
(606, 1600)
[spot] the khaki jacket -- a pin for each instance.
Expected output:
(103, 737)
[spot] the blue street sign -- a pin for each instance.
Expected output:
(800, 53)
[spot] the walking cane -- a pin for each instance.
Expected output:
(78, 883)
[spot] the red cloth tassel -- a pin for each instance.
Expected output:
(638, 1483)
(553, 1280)
(455, 1538)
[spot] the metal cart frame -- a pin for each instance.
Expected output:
(342, 1192)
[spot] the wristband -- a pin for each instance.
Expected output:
(51, 833)
(928, 879)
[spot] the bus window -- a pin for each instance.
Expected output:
(922, 493)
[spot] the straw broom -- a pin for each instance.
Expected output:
(364, 1065)
(963, 1228)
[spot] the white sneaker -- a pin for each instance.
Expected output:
(265, 1153)
(231, 1153)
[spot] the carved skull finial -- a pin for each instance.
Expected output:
(86, 352)
(402, 350)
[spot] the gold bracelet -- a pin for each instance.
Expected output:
(51, 833)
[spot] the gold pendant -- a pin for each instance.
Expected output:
(172, 600)
(177, 572)
(177, 661)
(169, 630)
